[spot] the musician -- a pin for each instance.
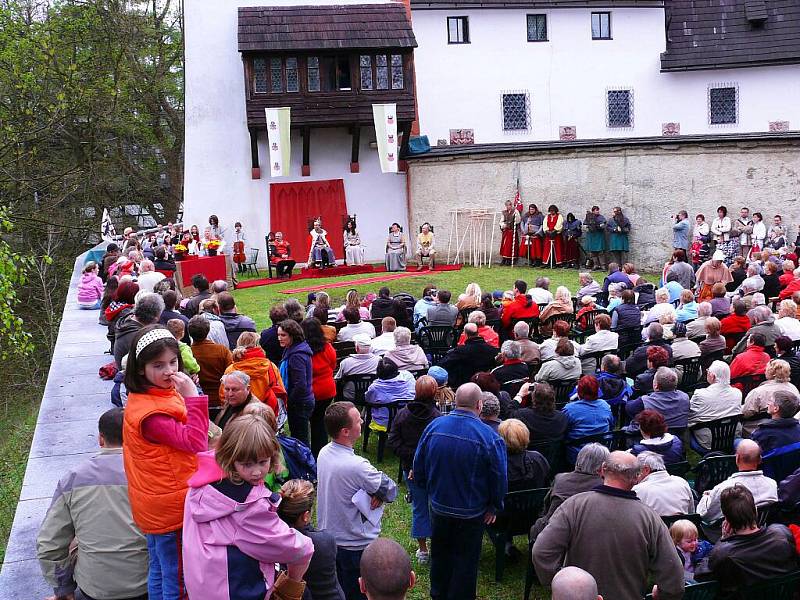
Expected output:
(553, 253)
(320, 253)
(573, 229)
(280, 254)
(619, 227)
(353, 250)
(239, 245)
(509, 219)
(531, 236)
(595, 244)
(425, 247)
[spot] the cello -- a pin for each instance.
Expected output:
(238, 252)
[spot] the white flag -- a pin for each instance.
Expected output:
(278, 126)
(107, 227)
(385, 117)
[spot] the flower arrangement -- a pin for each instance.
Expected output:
(180, 249)
(213, 245)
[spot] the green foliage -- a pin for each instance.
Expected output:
(14, 340)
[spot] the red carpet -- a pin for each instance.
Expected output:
(340, 272)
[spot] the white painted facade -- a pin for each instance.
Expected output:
(461, 85)
(217, 177)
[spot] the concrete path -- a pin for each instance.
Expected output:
(66, 433)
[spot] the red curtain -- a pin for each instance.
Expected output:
(293, 205)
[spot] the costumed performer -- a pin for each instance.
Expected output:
(619, 227)
(553, 254)
(425, 246)
(573, 229)
(353, 250)
(595, 244)
(280, 254)
(396, 249)
(320, 253)
(530, 246)
(509, 218)
(711, 272)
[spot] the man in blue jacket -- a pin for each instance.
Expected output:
(462, 464)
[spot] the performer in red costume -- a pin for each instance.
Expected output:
(553, 251)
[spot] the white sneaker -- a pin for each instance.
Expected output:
(422, 557)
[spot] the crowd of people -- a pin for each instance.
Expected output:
(225, 440)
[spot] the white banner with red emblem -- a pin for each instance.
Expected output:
(385, 116)
(280, 145)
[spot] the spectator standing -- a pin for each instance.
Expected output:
(385, 571)
(341, 475)
(269, 337)
(235, 324)
(578, 535)
(212, 358)
(296, 372)
(407, 428)
(462, 465)
(90, 507)
(323, 364)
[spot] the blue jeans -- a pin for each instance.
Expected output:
(298, 417)
(94, 306)
(420, 512)
(348, 570)
(165, 580)
(455, 554)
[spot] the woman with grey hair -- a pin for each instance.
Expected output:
(512, 367)
(584, 478)
(490, 414)
(405, 354)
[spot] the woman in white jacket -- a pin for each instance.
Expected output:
(721, 230)
(759, 233)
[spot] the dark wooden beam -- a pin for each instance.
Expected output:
(306, 169)
(356, 132)
(405, 130)
(256, 169)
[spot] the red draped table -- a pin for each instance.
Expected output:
(213, 267)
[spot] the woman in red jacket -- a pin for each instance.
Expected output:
(323, 364)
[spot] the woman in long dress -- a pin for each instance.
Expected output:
(353, 250)
(396, 249)
(553, 254)
(619, 227)
(572, 231)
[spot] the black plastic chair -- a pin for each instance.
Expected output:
(344, 349)
(781, 462)
(360, 385)
(777, 588)
(691, 373)
(587, 318)
(533, 326)
(383, 436)
(709, 358)
(553, 451)
(550, 321)
(768, 513)
(563, 389)
(520, 511)
(613, 440)
(597, 356)
(693, 517)
(464, 313)
(713, 470)
(697, 591)
(408, 300)
(679, 468)
(748, 382)
(722, 432)
(437, 340)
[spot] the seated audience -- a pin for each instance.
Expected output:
(265, 377)
(784, 348)
(209, 310)
(523, 306)
(764, 324)
(646, 292)
(565, 366)
(614, 386)
(714, 342)
(352, 300)
(656, 438)
(691, 550)
(681, 269)
(90, 510)
(323, 385)
(540, 416)
(630, 270)
(355, 326)
(469, 300)
(664, 493)
(615, 291)
(561, 304)
(487, 333)
(752, 283)
(162, 264)
(772, 283)
(753, 361)
(392, 385)
(787, 322)
(662, 307)
(235, 324)
(666, 398)
(422, 306)
(748, 554)
(442, 313)
(616, 276)
(627, 314)
(782, 429)
(720, 303)
(170, 301)
(637, 362)
(269, 336)
(735, 323)
(90, 287)
(213, 359)
(585, 477)
(328, 331)
(778, 373)
(547, 349)
(687, 311)
(400, 313)
(487, 382)
(657, 357)
(681, 346)
(527, 469)
(748, 460)
(405, 354)
(587, 286)
(146, 311)
(178, 330)
(407, 428)
(488, 308)
(573, 583)
(297, 504)
(462, 362)
(529, 350)
(587, 415)
(238, 395)
(382, 305)
(148, 276)
(792, 287)
(322, 300)
(717, 401)
(588, 306)
(445, 396)
(490, 412)
(385, 341)
(786, 276)
(603, 340)
(363, 362)
(697, 328)
(512, 368)
(385, 571)
(540, 294)
(738, 271)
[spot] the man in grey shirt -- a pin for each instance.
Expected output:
(442, 312)
(341, 474)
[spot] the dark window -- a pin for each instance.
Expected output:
(275, 75)
(397, 72)
(620, 108)
(343, 81)
(292, 80)
(458, 30)
(537, 28)
(260, 76)
(365, 68)
(601, 26)
(381, 72)
(313, 73)
(515, 112)
(722, 105)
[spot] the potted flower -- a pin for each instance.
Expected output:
(179, 251)
(212, 247)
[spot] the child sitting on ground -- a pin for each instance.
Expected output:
(90, 287)
(178, 330)
(295, 508)
(690, 549)
(232, 534)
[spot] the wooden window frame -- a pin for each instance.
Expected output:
(465, 39)
(601, 36)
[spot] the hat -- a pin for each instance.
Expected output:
(439, 374)
(718, 255)
(587, 300)
(362, 339)
(497, 294)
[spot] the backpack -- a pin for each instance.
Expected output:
(299, 461)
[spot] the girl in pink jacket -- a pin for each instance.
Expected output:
(90, 287)
(232, 535)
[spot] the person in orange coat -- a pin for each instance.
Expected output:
(265, 378)
(165, 426)
(522, 307)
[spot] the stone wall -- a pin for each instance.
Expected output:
(650, 181)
